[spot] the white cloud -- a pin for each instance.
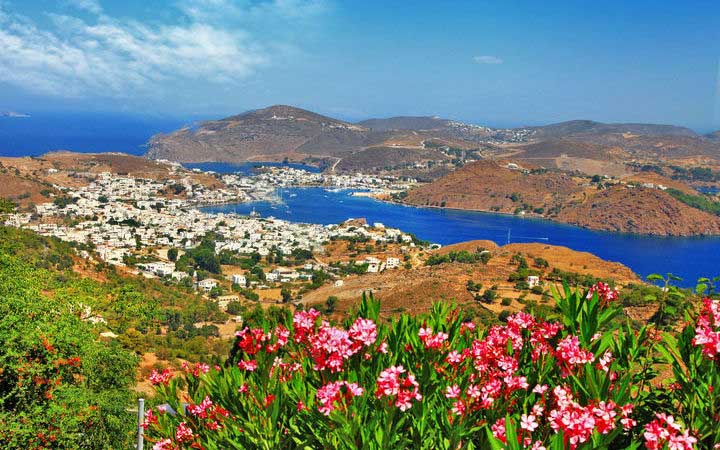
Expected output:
(109, 57)
(91, 6)
(487, 59)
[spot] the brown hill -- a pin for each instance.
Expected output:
(69, 169)
(415, 290)
(269, 133)
(575, 127)
(388, 158)
(488, 186)
(640, 210)
(405, 123)
(553, 148)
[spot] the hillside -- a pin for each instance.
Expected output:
(416, 289)
(488, 186)
(640, 210)
(405, 123)
(271, 133)
(573, 127)
(29, 180)
(283, 132)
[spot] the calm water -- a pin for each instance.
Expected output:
(79, 132)
(689, 258)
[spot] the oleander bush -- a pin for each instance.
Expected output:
(585, 381)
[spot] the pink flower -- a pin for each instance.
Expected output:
(664, 430)
(390, 383)
(569, 352)
(331, 347)
(183, 433)
(304, 324)
(498, 430)
(605, 360)
(249, 366)
(150, 419)
(165, 444)
(163, 377)
(383, 348)
(707, 334)
(197, 369)
(605, 293)
(364, 330)
(458, 408)
(454, 358)
(200, 410)
(338, 392)
(528, 422)
(432, 341)
(452, 391)
(467, 327)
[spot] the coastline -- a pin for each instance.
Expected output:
(533, 216)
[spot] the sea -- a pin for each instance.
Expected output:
(688, 258)
(79, 132)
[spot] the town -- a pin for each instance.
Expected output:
(154, 228)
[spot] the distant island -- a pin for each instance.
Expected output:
(14, 114)
(626, 177)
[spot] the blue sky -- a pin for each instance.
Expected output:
(502, 63)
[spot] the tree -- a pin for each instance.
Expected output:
(330, 303)
(6, 206)
(172, 254)
(70, 390)
(286, 294)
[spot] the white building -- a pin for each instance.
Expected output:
(373, 264)
(239, 279)
(207, 284)
(533, 281)
(392, 263)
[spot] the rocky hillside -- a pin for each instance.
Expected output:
(576, 127)
(489, 186)
(640, 210)
(31, 180)
(265, 134)
(414, 290)
(405, 123)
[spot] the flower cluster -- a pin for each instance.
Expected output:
(578, 422)
(196, 370)
(430, 340)
(211, 414)
(403, 389)
(163, 377)
(605, 293)
(339, 392)
(569, 352)
(664, 430)
(707, 331)
(529, 378)
(330, 347)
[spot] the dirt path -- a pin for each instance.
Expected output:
(332, 169)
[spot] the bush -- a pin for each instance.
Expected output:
(438, 381)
